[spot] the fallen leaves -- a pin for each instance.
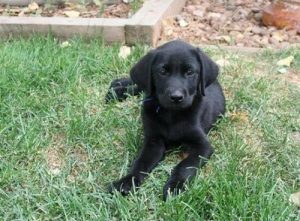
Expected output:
(124, 52)
(224, 38)
(12, 11)
(282, 70)
(93, 9)
(72, 14)
(286, 61)
(284, 64)
(295, 199)
(32, 7)
(65, 44)
(223, 62)
(278, 36)
(183, 23)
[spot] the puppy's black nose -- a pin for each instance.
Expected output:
(176, 96)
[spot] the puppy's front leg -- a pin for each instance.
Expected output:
(148, 158)
(187, 168)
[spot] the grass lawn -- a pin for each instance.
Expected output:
(60, 144)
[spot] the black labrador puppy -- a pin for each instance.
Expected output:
(183, 100)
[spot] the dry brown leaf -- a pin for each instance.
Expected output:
(22, 13)
(65, 44)
(278, 36)
(183, 23)
(224, 38)
(32, 7)
(72, 14)
(124, 52)
(286, 61)
(295, 198)
(13, 10)
(55, 171)
(282, 70)
(223, 62)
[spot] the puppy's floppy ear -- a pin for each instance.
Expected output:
(141, 72)
(209, 70)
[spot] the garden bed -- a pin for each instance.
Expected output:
(142, 27)
(72, 9)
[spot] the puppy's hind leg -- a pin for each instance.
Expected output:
(120, 89)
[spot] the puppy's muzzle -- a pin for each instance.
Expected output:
(176, 96)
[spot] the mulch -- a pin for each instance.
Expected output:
(69, 9)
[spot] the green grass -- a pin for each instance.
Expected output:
(61, 144)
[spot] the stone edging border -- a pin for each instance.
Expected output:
(142, 27)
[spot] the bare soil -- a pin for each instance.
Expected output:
(236, 22)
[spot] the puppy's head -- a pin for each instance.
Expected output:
(175, 74)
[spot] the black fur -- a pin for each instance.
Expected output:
(183, 101)
(119, 89)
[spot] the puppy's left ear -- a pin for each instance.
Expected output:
(209, 70)
(141, 73)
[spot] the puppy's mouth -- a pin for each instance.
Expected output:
(174, 106)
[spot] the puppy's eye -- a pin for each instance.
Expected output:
(163, 72)
(189, 73)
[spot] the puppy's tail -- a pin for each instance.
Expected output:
(120, 89)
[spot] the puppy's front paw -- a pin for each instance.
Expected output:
(174, 186)
(124, 185)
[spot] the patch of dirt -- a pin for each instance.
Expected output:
(57, 156)
(240, 117)
(223, 22)
(251, 134)
(79, 154)
(295, 136)
(54, 155)
(69, 9)
(293, 77)
(80, 158)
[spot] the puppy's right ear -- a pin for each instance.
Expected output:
(142, 71)
(209, 70)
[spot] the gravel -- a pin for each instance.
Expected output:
(227, 23)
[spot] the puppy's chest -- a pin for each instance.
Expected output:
(176, 128)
